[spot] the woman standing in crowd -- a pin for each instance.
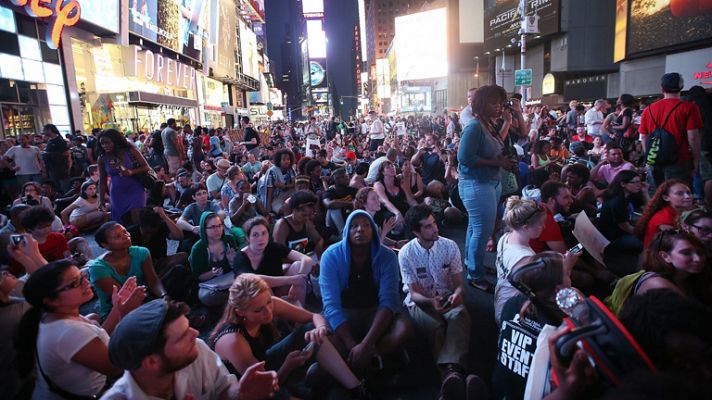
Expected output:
(624, 118)
(263, 257)
(662, 212)
(84, 212)
(122, 162)
(480, 157)
(69, 350)
(246, 334)
(525, 219)
(120, 262)
(212, 256)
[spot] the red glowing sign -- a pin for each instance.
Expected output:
(60, 13)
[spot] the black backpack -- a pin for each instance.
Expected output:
(660, 144)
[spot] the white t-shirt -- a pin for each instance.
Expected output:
(594, 119)
(205, 378)
(26, 159)
(431, 268)
(57, 343)
(83, 207)
(508, 255)
(377, 129)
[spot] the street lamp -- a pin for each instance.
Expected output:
(477, 70)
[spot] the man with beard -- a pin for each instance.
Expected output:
(557, 199)
(163, 358)
(431, 268)
(606, 170)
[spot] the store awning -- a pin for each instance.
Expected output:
(153, 99)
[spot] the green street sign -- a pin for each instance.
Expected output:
(523, 77)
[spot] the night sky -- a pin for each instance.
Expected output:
(341, 16)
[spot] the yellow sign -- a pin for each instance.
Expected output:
(619, 43)
(548, 84)
(60, 14)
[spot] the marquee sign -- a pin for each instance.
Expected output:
(60, 13)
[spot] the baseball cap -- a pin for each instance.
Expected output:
(672, 82)
(136, 334)
(350, 155)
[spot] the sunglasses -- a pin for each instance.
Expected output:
(78, 282)
(671, 232)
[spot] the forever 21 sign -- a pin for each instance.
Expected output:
(60, 13)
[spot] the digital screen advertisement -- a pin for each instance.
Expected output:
(502, 20)
(179, 25)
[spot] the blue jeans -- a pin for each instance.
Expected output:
(480, 200)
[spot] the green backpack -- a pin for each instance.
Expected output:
(622, 292)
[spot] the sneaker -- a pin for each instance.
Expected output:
(453, 387)
(482, 284)
(476, 388)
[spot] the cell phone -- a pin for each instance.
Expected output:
(308, 348)
(18, 240)
(576, 249)
(447, 302)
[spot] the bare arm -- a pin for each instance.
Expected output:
(381, 192)
(95, 356)
(279, 235)
(149, 273)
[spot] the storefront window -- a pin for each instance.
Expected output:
(110, 80)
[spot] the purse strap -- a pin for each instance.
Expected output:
(56, 389)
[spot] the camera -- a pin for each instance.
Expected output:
(18, 240)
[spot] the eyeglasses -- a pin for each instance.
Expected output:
(702, 229)
(78, 282)
(214, 226)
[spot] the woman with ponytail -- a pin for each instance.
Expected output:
(67, 350)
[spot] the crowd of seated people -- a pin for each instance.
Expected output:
(327, 262)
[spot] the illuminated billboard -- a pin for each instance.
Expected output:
(660, 24)
(502, 21)
(416, 99)
(317, 38)
(313, 8)
(224, 65)
(250, 57)
(177, 25)
(422, 53)
(317, 73)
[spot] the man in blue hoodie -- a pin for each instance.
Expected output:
(359, 287)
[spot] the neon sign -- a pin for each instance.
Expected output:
(61, 13)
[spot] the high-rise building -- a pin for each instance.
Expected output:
(380, 30)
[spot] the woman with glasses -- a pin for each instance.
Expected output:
(120, 262)
(263, 257)
(626, 193)
(212, 257)
(699, 223)
(662, 212)
(480, 162)
(68, 351)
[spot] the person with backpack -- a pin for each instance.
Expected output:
(672, 118)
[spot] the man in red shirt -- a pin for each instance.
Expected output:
(557, 199)
(684, 124)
